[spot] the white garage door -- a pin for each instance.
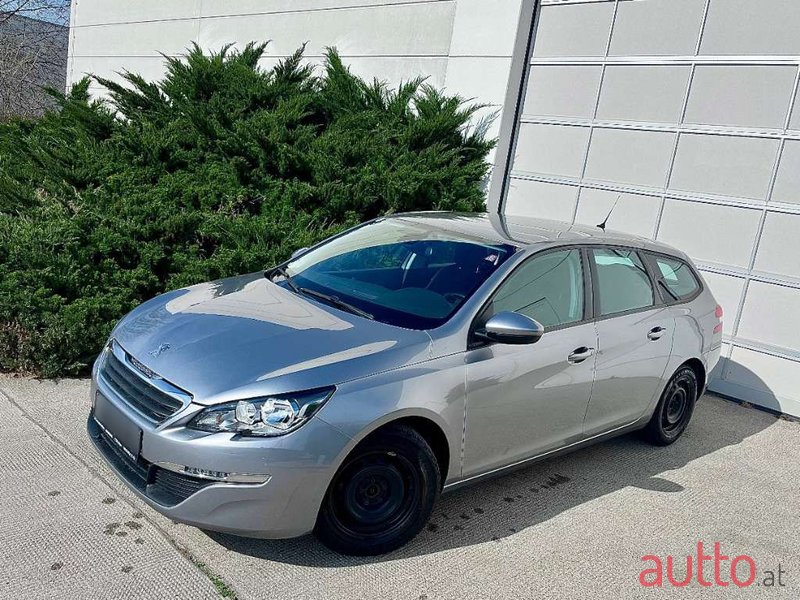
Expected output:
(687, 108)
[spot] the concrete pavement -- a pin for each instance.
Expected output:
(64, 531)
(572, 527)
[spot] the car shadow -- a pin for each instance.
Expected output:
(500, 507)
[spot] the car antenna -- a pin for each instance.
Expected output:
(603, 224)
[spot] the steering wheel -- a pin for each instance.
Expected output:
(453, 297)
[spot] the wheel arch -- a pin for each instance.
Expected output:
(427, 425)
(700, 370)
(677, 363)
(432, 434)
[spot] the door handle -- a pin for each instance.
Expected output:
(580, 354)
(655, 333)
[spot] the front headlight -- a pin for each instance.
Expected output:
(263, 417)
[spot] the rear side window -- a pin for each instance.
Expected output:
(677, 277)
(622, 280)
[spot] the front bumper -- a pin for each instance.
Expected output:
(297, 468)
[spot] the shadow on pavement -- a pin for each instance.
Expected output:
(501, 507)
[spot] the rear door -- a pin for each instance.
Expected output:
(634, 331)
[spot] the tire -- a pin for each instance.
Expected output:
(674, 410)
(382, 495)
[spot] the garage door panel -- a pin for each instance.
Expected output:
(744, 96)
(779, 248)
(634, 212)
(724, 165)
(771, 314)
(630, 156)
(718, 371)
(765, 379)
(681, 107)
(540, 199)
(704, 231)
(794, 122)
(787, 182)
(573, 30)
(643, 93)
(562, 91)
(728, 292)
(759, 27)
(657, 27)
(551, 149)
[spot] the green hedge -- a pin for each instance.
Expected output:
(221, 168)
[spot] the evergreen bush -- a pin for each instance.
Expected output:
(221, 168)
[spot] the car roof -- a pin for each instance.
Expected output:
(524, 232)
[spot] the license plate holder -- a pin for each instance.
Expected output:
(121, 428)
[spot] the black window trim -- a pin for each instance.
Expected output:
(588, 306)
(666, 299)
(591, 302)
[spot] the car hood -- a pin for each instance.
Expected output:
(247, 335)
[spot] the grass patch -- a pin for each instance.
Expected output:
(223, 588)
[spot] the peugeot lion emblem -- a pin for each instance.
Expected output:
(158, 351)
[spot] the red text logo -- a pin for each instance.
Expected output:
(707, 568)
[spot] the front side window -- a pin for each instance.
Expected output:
(677, 277)
(412, 273)
(547, 287)
(622, 280)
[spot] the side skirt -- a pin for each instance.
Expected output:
(526, 462)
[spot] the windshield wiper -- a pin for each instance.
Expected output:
(336, 302)
(285, 274)
(319, 295)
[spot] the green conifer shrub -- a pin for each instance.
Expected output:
(221, 168)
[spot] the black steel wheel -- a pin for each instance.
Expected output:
(382, 495)
(675, 409)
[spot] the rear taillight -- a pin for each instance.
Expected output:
(718, 313)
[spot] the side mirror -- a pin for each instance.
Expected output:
(511, 328)
(298, 252)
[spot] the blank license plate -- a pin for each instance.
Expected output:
(118, 425)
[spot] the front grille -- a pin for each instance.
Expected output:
(162, 486)
(146, 399)
(169, 488)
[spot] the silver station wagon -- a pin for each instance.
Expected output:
(342, 391)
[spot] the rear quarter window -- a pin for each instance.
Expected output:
(677, 277)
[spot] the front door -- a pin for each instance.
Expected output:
(634, 340)
(523, 400)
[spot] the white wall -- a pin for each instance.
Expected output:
(481, 50)
(465, 45)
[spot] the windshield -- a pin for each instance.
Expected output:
(398, 271)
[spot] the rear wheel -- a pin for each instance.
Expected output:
(382, 495)
(674, 410)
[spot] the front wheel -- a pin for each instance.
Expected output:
(382, 495)
(674, 410)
